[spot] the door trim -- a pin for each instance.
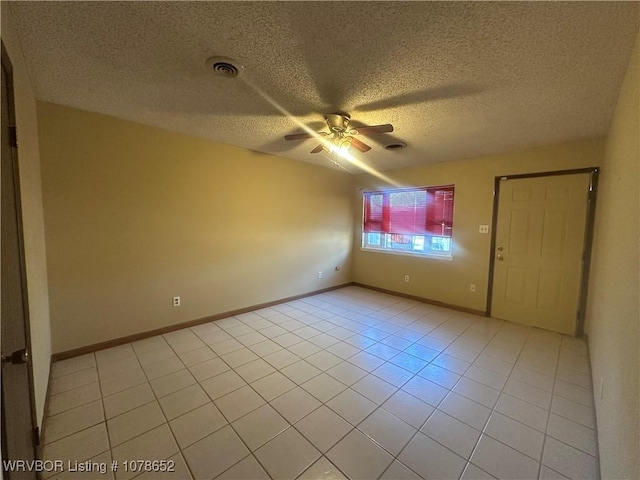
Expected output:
(587, 243)
(8, 67)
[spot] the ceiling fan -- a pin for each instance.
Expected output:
(341, 135)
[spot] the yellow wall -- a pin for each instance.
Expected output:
(614, 286)
(135, 215)
(33, 224)
(449, 281)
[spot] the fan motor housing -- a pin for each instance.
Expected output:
(337, 122)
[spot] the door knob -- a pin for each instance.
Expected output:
(500, 257)
(500, 249)
(17, 357)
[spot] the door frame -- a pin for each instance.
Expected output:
(587, 243)
(8, 67)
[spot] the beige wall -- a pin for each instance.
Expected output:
(33, 226)
(135, 215)
(449, 281)
(614, 287)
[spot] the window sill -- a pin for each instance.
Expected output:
(447, 258)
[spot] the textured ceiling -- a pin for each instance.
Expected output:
(456, 79)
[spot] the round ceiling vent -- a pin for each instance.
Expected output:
(396, 146)
(224, 66)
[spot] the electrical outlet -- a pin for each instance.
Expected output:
(406, 278)
(319, 274)
(176, 301)
(484, 228)
(472, 287)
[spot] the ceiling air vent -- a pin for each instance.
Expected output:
(396, 146)
(224, 66)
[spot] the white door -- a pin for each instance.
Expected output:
(539, 250)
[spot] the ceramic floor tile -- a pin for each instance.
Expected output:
(239, 402)
(79, 446)
(323, 387)
(254, 370)
(214, 454)
(502, 461)
(157, 444)
(471, 472)
(73, 380)
(260, 426)
(351, 406)
(197, 424)
(393, 374)
(135, 422)
(477, 392)
(295, 404)
(515, 434)
(366, 361)
(425, 390)
(74, 398)
(527, 413)
(374, 388)
(122, 382)
(387, 430)
(574, 411)
(208, 369)
(304, 349)
(429, 459)
(397, 471)
(466, 410)
(239, 357)
(323, 360)
(300, 372)
(249, 468)
(163, 367)
(272, 386)
(452, 433)
(73, 365)
(572, 433)
(459, 363)
(569, 461)
(358, 457)
(439, 375)
(322, 469)
(222, 384)
(287, 455)
(197, 356)
(347, 373)
(408, 408)
(172, 383)
(265, 348)
(183, 401)
(74, 420)
(529, 393)
(281, 359)
(323, 428)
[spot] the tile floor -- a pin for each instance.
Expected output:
(346, 384)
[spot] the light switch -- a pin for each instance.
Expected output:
(484, 228)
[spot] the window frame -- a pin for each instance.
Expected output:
(382, 218)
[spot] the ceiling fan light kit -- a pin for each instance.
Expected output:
(341, 137)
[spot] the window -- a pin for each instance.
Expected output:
(415, 221)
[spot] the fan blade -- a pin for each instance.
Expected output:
(298, 136)
(369, 130)
(318, 149)
(363, 147)
(303, 136)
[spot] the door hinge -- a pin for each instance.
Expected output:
(36, 436)
(13, 136)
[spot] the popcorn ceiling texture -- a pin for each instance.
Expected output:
(456, 80)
